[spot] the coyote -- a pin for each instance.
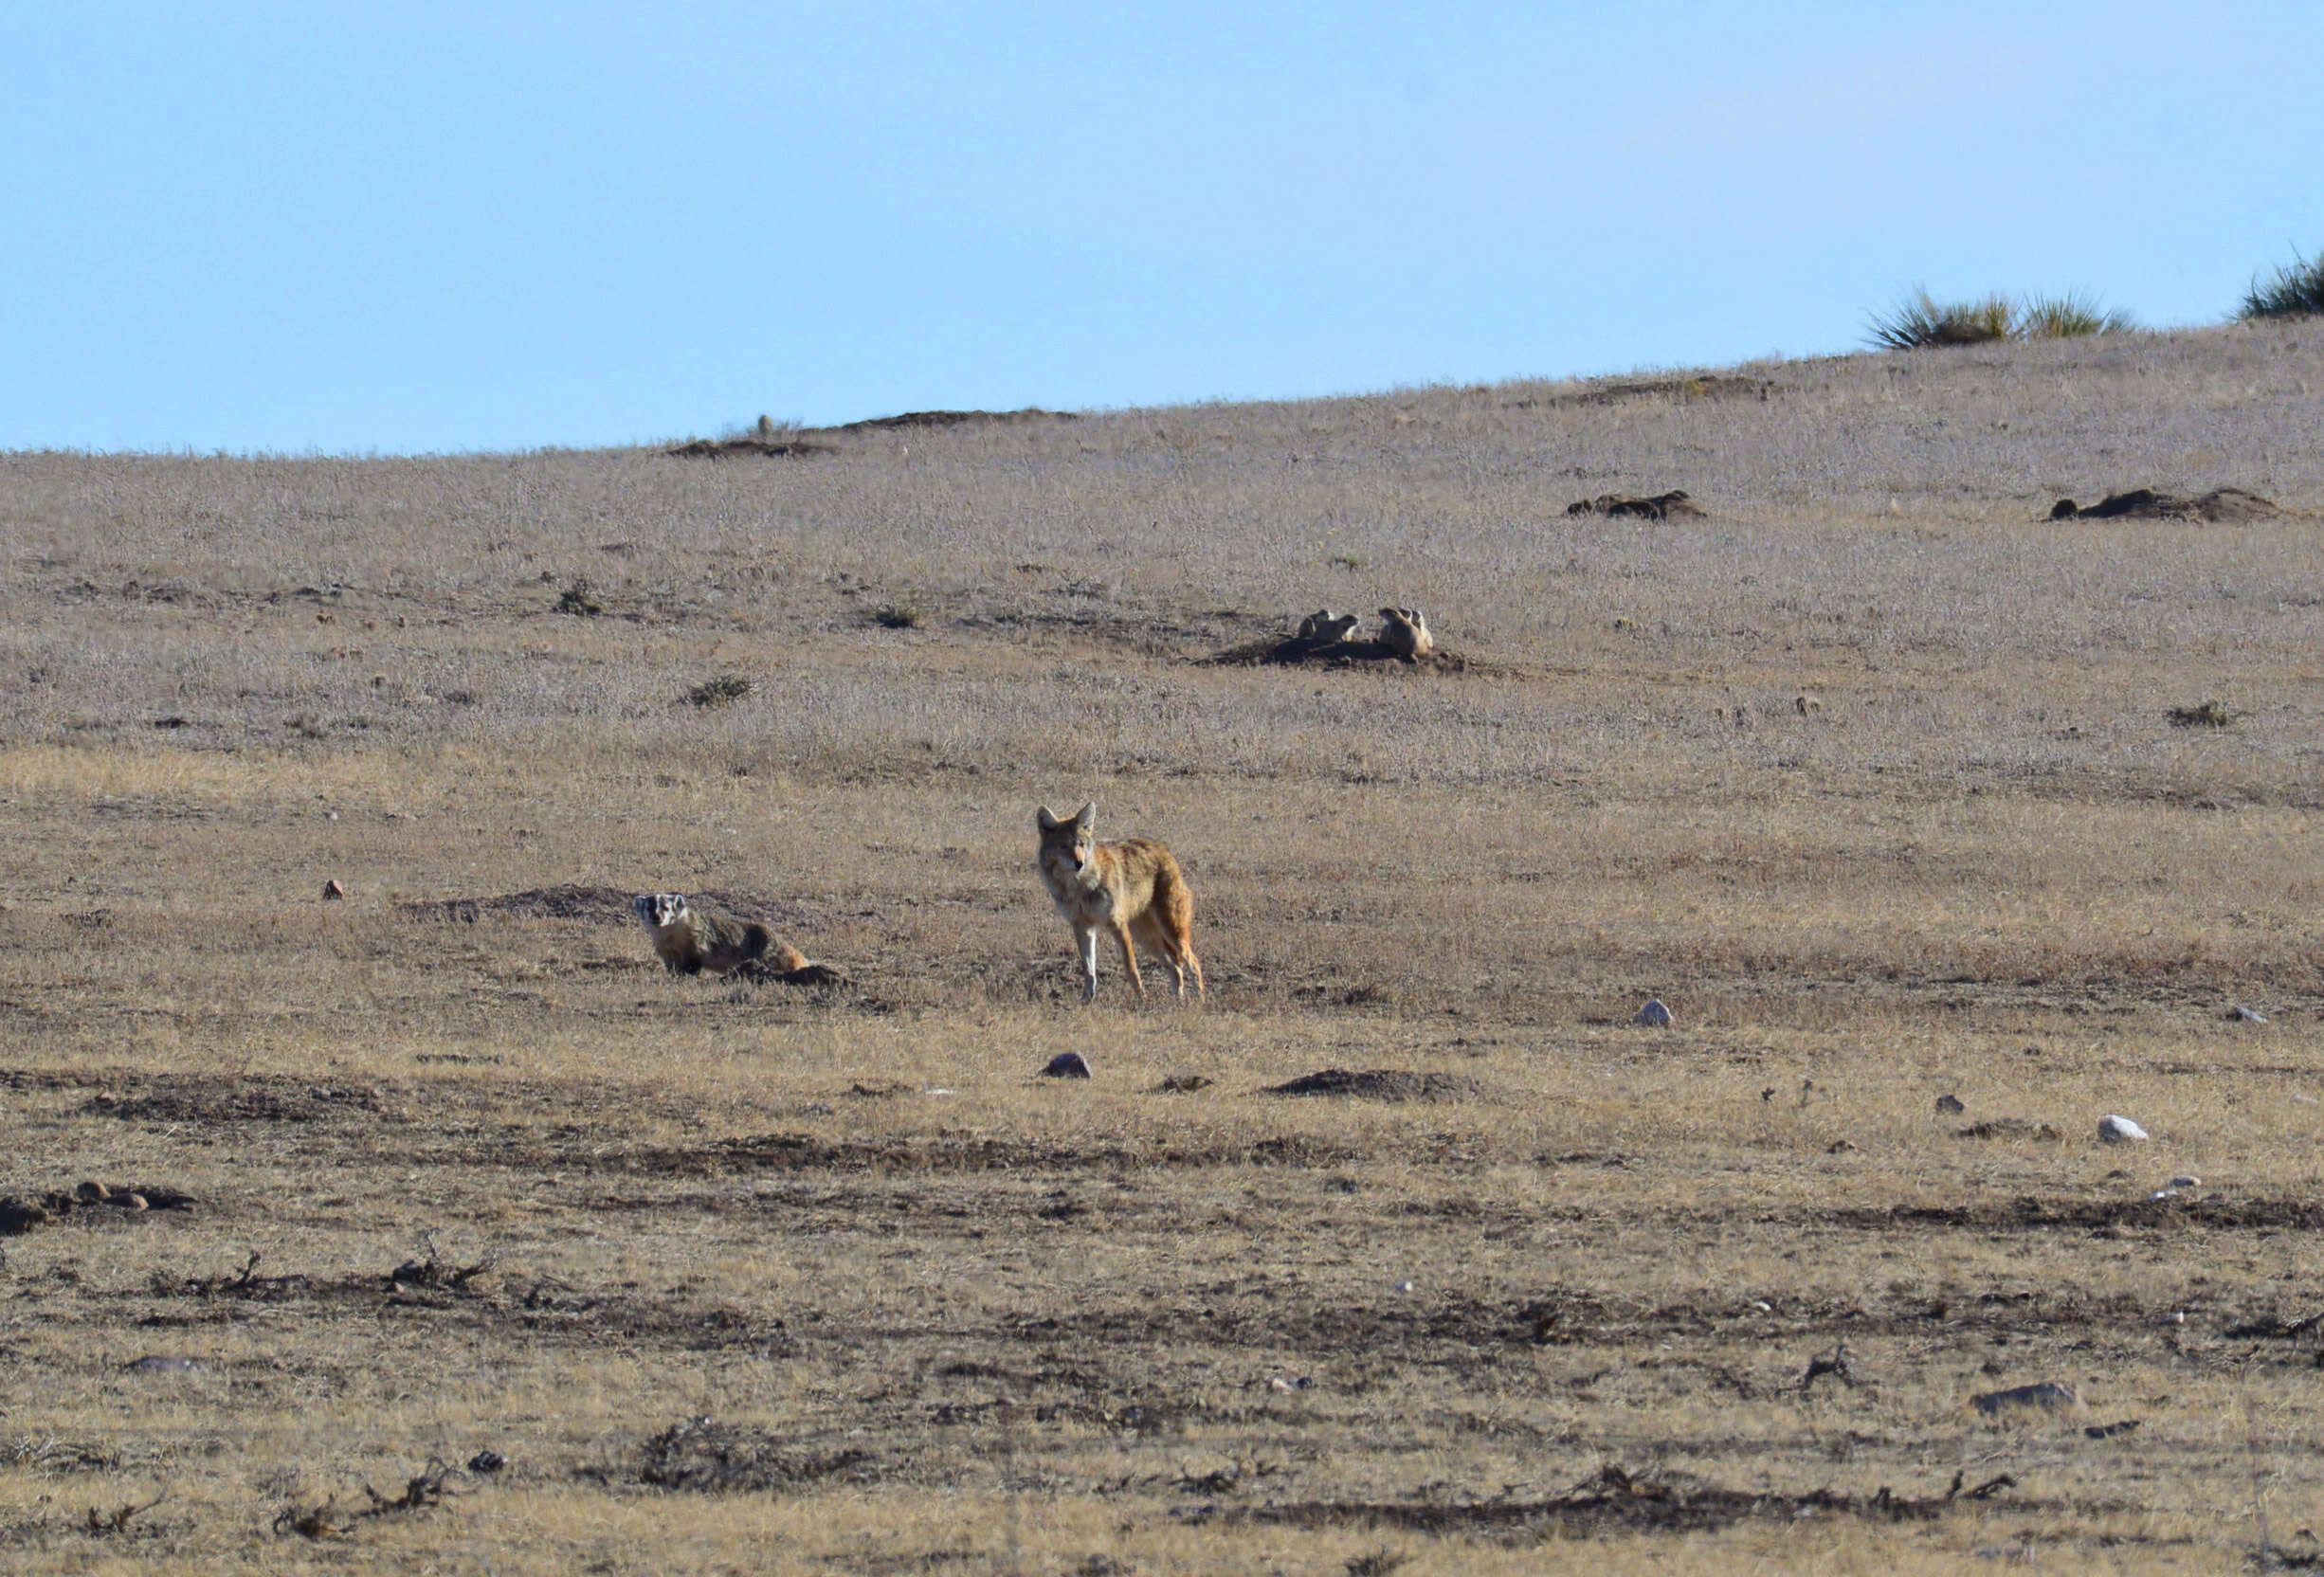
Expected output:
(1405, 631)
(1130, 888)
(690, 940)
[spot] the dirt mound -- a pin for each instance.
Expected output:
(715, 1458)
(736, 448)
(201, 1098)
(1673, 505)
(952, 419)
(1292, 650)
(2009, 1128)
(1381, 1084)
(1679, 391)
(2219, 506)
(572, 901)
(567, 902)
(1614, 1502)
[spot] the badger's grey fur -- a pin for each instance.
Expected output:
(690, 940)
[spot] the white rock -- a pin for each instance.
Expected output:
(1653, 1015)
(2116, 1129)
(2251, 1015)
(2162, 1194)
(1404, 1286)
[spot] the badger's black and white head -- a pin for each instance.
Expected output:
(659, 910)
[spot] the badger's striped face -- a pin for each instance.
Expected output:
(660, 909)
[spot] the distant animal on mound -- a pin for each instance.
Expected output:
(1321, 630)
(689, 940)
(1405, 631)
(1131, 888)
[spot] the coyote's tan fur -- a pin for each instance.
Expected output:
(1133, 888)
(1405, 631)
(690, 940)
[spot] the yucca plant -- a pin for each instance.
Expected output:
(1921, 321)
(2298, 287)
(2072, 315)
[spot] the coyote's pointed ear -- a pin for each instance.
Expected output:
(1087, 815)
(1047, 822)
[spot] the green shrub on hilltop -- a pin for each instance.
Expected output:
(2296, 288)
(2072, 315)
(1921, 321)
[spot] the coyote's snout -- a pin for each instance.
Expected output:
(1133, 888)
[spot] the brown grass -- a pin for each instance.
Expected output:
(943, 1315)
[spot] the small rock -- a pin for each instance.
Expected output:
(19, 1216)
(1404, 1286)
(1653, 1015)
(1950, 1105)
(1763, 1306)
(162, 1364)
(2047, 1393)
(2108, 1431)
(92, 1192)
(333, 889)
(1066, 1064)
(2115, 1130)
(2248, 1015)
(2162, 1194)
(487, 1462)
(2186, 1180)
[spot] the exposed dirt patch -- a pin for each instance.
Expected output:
(2219, 506)
(1712, 385)
(952, 419)
(2009, 1128)
(599, 905)
(742, 449)
(208, 1097)
(712, 1458)
(1614, 1502)
(1293, 651)
(1673, 505)
(1381, 1084)
(2096, 1215)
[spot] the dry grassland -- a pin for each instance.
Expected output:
(1869, 774)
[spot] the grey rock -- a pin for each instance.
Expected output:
(1066, 1064)
(1653, 1015)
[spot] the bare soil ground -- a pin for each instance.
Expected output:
(472, 1241)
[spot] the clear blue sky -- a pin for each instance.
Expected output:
(410, 227)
